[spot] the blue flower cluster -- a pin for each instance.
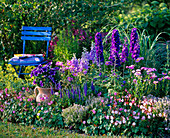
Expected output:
(45, 74)
(124, 54)
(134, 44)
(114, 48)
(99, 48)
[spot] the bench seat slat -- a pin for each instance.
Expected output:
(35, 33)
(36, 38)
(36, 28)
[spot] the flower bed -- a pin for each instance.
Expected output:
(95, 95)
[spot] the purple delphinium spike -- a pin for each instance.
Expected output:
(85, 89)
(133, 39)
(124, 54)
(115, 43)
(99, 48)
(79, 94)
(136, 51)
(114, 48)
(92, 86)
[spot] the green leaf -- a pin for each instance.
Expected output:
(88, 121)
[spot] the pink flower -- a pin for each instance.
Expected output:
(84, 122)
(115, 93)
(155, 82)
(13, 112)
(139, 59)
(59, 63)
(159, 79)
(121, 109)
(69, 62)
(102, 101)
(93, 111)
(164, 73)
(135, 81)
(153, 76)
(56, 93)
(137, 73)
(131, 67)
(41, 118)
(23, 88)
(167, 77)
(107, 117)
(75, 74)
(143, 118)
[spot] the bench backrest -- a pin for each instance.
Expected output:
(36, 34)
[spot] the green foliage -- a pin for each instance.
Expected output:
(10, 80)
(154, 18)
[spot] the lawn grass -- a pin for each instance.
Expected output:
(8, 129)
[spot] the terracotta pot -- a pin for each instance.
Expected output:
(43, 92)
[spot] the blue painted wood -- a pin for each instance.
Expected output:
(29, 33)
(36, 38)
(27, 64)
(35, 33)
(36, 28)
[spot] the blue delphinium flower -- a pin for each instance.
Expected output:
(92, 86)
(133, 39)
(79, 94)
(99, 48)
(85, 89)
(136, 51)
(124, 54)
(114, 48)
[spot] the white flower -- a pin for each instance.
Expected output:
(133, 124)
(130, 104)
(124, 121)
(116, 123)
(149, 117)
(160, 115)
(38, 114)
(153, 115)
(111, 121)
(116, 112)
(111, 117)
(120, 122)
(42, 108)
(113, 112)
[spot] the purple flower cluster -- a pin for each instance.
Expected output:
(124, 54)
(99, 48)
(114, 49)
(79, 65)
(46, 72)
(134, 44)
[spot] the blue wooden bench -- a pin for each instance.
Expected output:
(33, 34)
